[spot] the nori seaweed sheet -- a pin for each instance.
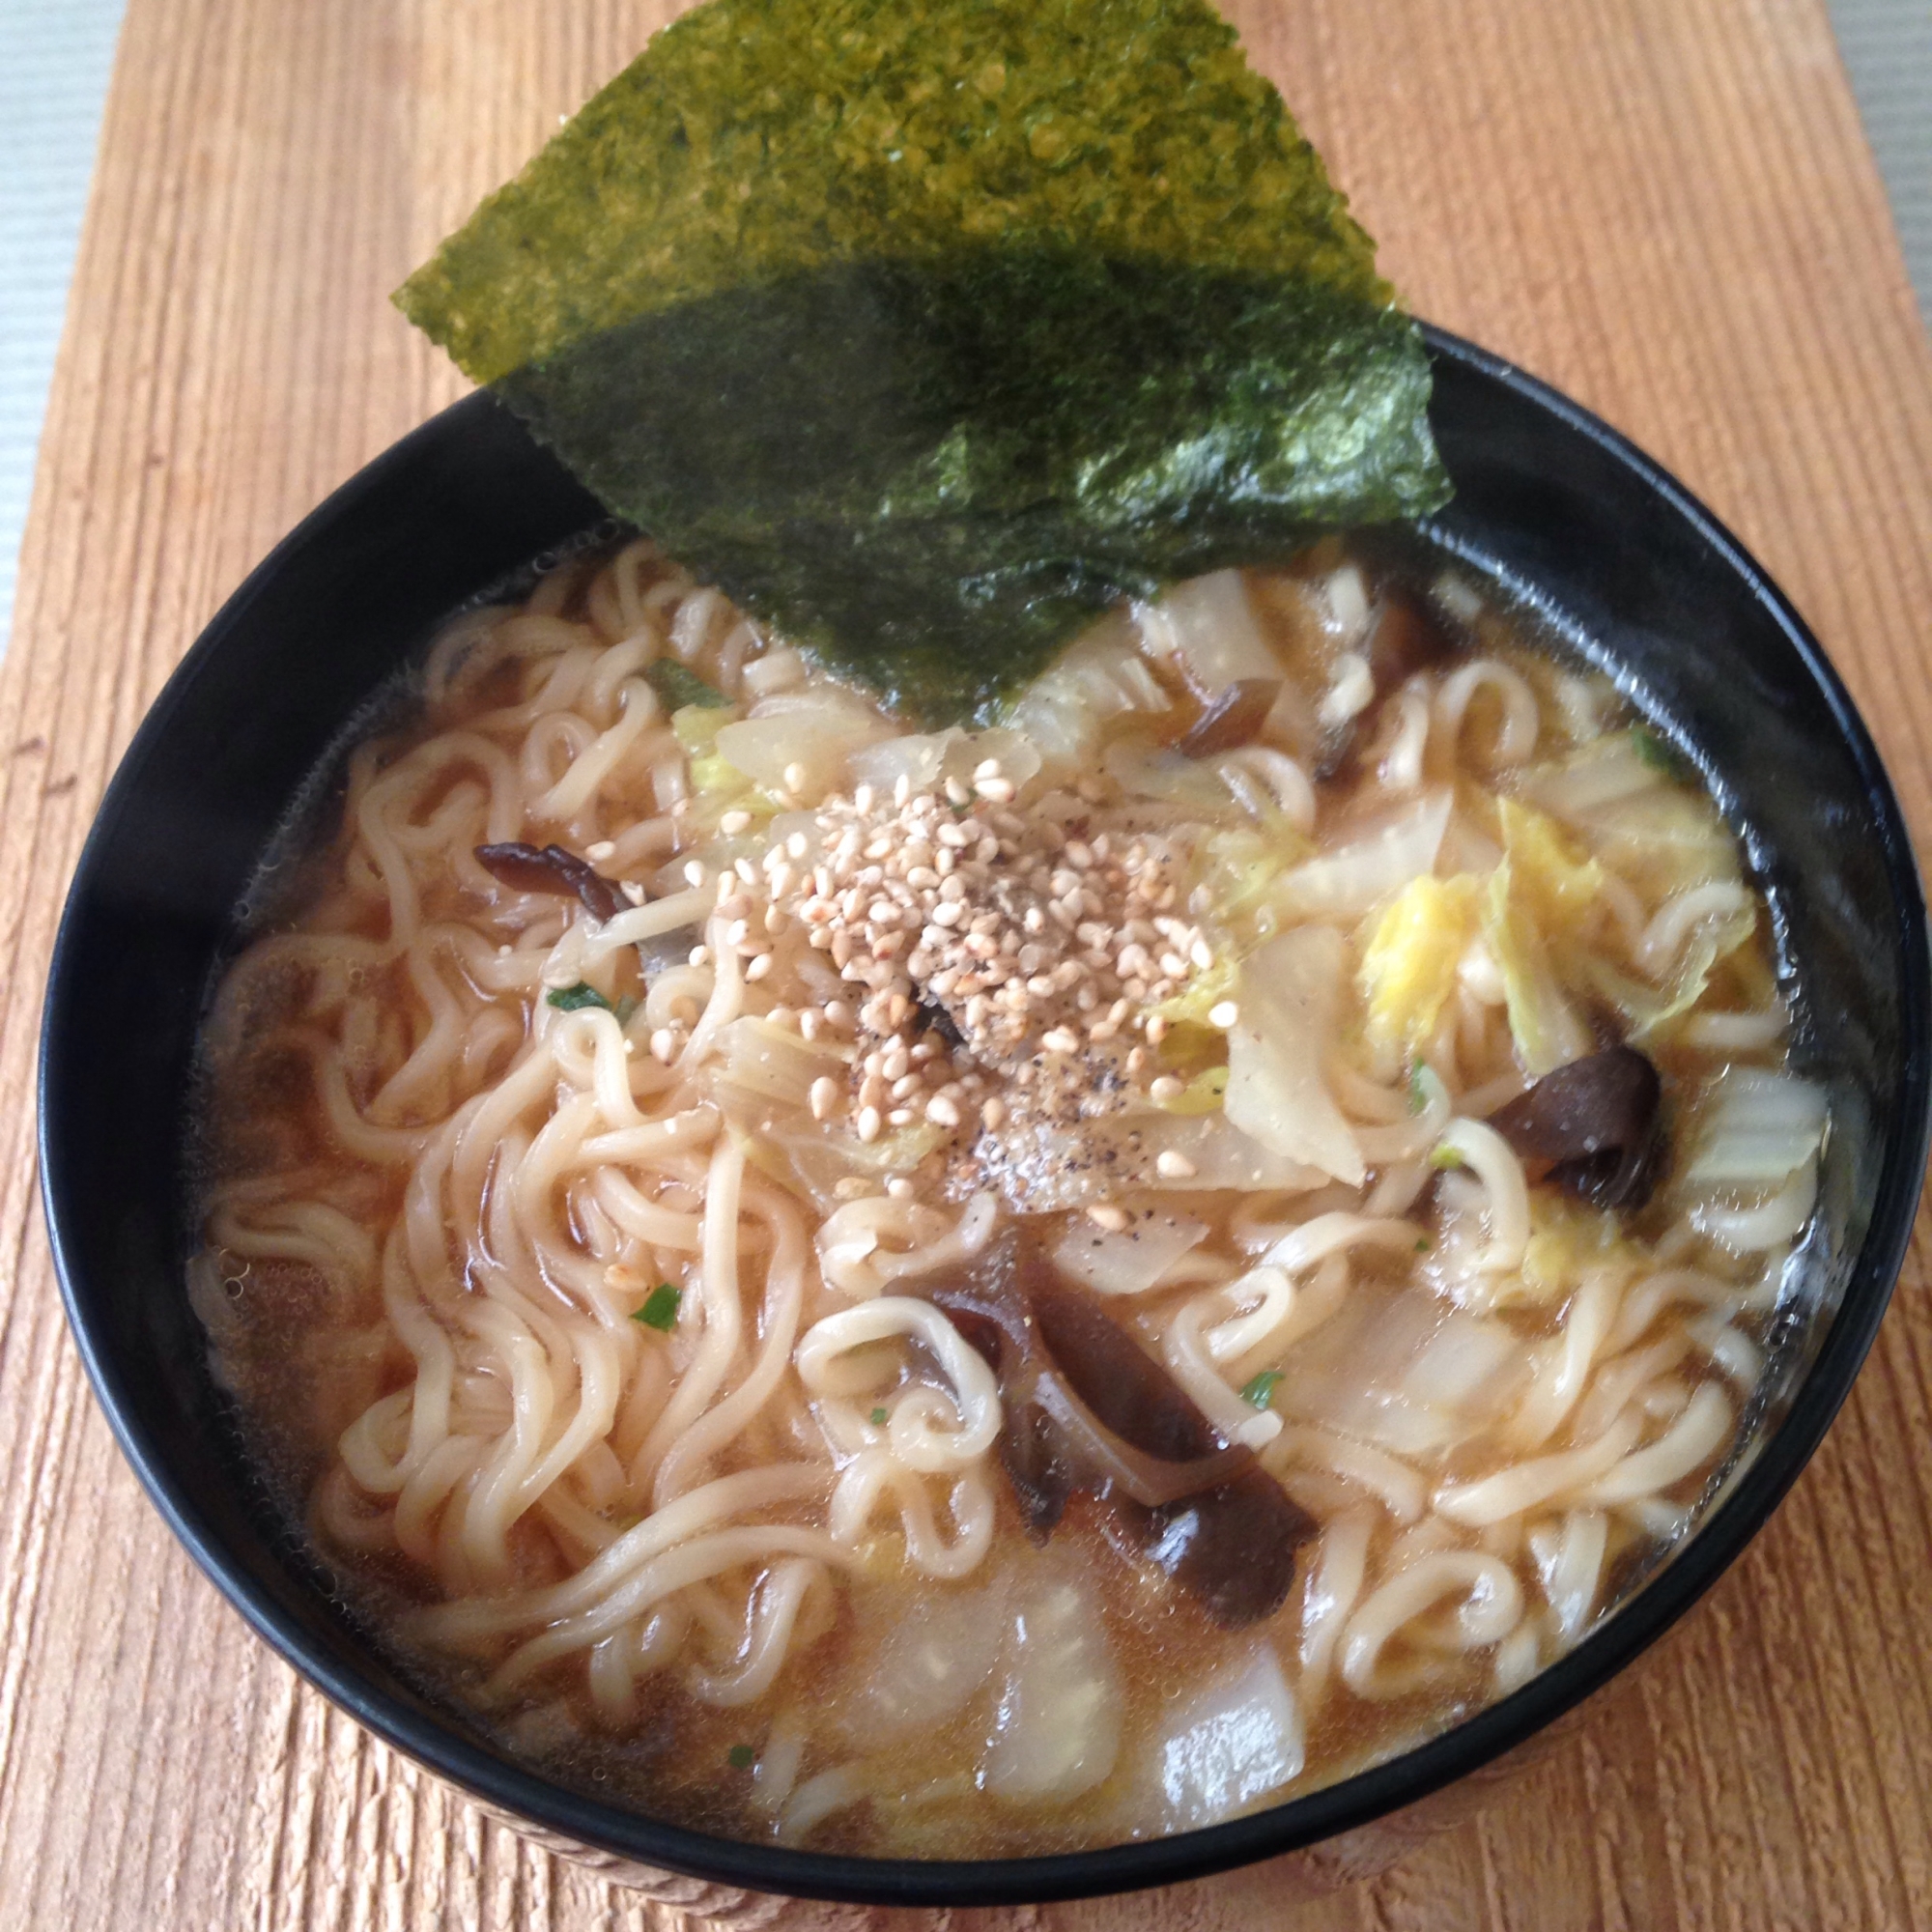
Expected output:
(929, 328)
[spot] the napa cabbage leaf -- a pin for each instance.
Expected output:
(1408, 966)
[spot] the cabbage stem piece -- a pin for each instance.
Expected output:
(1277, 1089)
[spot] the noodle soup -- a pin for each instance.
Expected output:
(988, 1291)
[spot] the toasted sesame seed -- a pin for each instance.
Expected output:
(734, 822)
(1166, 1088)
(1105, 1214)
(795, 776)
(905, 897)
(759, 967)
(602, 849)
(993, 1113)
(663, 1045)
(870, 1124)
(1223, 1014)
(941, 1112)
(824, 1097)
(1175, 1166)
(694, 872)
(899, 1186)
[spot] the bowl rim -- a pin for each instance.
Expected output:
(524, 1795)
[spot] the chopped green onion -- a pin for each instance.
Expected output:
(880, 1418)
(1446, 1156)
(740, 1757)
(659, 1311)
(1657, 753)
(1423, 1244)
(571, 999)
(1425, 1085)
(1259, 1392)
(678, 685)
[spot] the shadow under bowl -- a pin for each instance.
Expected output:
(1620, 557)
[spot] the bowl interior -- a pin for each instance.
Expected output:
(1546, 499)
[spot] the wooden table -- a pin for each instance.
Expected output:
(1665, 207)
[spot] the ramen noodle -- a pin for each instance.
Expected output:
(1003, 1290)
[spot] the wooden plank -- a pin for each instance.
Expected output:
(1668, 211)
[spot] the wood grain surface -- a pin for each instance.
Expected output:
(1665, 207)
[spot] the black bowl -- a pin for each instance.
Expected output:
(1548, 498)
